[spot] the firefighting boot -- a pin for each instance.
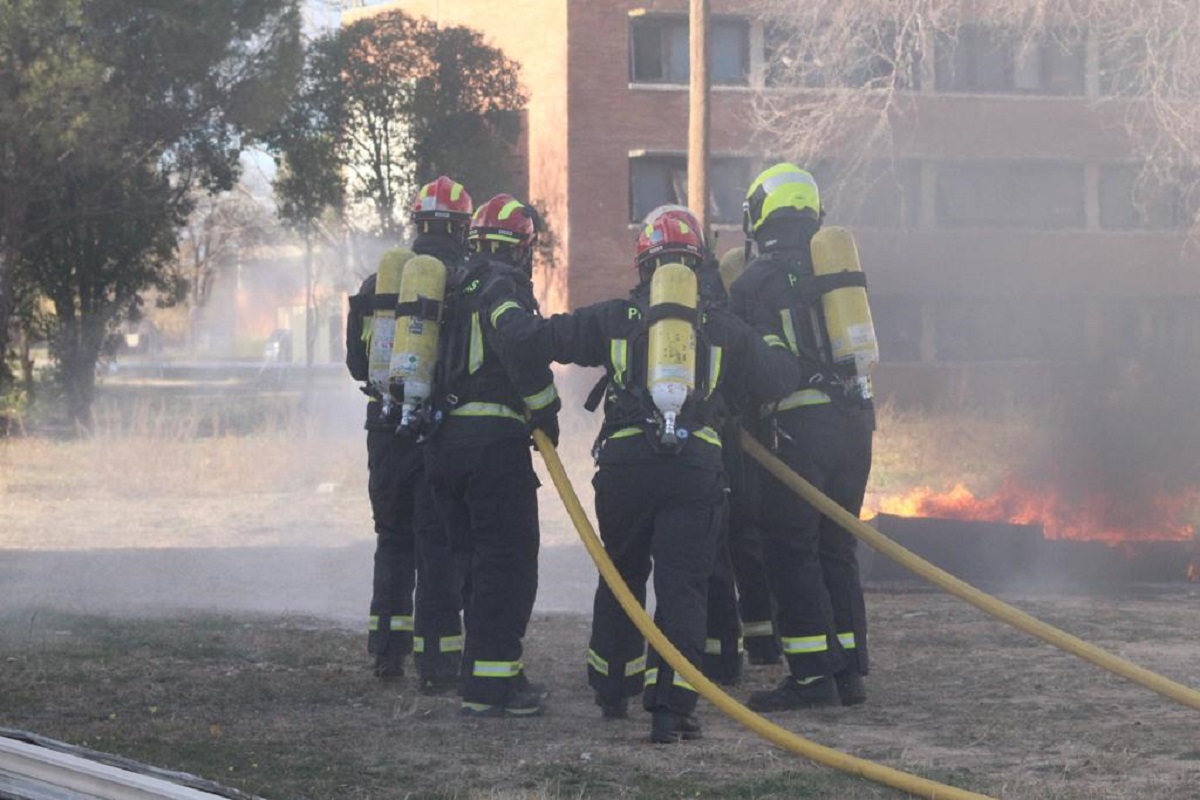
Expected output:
(793, 693)
(850, 687)
(762, 658)
(613, 709)
(438, 684)
(725, 669)
(389, 665)
(528, 700)
(668, 727)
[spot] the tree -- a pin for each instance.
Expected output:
(394, 101)
(220, 227)
(46, 79)
(117, 239)
(846, 72)
(139, 103)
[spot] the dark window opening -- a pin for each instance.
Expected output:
(881, 194)
(660, 180)
(876, 57)
(981, 58)
(659, 50)
(969, 329)
(1131, 201)
(1046, 195)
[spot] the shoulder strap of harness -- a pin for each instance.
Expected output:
(369, 303)
(421, 308)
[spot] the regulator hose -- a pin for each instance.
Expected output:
(964, 591)
(870, 770)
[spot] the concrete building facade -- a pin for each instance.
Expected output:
(1005, 250)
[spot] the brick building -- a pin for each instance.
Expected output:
(1004, 250)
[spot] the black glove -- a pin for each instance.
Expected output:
(547, 423)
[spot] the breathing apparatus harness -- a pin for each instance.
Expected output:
(622, 387)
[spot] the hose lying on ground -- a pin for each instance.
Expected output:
(964, 591)
(870, 770)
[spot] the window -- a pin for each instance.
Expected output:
(868, 58)
(978, 60)
(1019, 194)
(658, 51)
(982, 58)
(1009, 328)
(655, 180)
(1129, 203)
(882, 194)
(1123, 67)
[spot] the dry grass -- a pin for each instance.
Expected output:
(284, 707)
(970, 446)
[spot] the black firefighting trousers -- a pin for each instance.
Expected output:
(811, 562)
(740, 609)
(487, 499)
(663, 515)
(755, 604)
(408, 533)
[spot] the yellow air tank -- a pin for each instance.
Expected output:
(418, 322)
(671, 357)
(383, 323)
(847, 314)
(733, 264)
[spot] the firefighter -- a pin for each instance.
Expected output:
(659, 486)
(479, 460)
(823, 431)
(723, 647)
(755, 606)
(410, 542)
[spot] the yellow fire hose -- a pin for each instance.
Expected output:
(870, 770)
(964, 591)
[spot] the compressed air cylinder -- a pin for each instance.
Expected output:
(733, 264)
(418, 323)
(671, 357)
(383, 323)
(847, 313)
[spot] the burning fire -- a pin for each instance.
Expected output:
(1096, 517)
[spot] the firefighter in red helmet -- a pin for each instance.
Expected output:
(659, 490)
(410, 542)
(487, 397)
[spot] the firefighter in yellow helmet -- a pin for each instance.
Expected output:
(823, 431)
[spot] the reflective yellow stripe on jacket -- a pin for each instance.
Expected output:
(475, 357)
(705, 434)
(485, 410)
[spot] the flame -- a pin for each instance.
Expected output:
(1093, 517)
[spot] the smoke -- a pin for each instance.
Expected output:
(1128, 447)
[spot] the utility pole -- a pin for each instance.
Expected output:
(698, 114)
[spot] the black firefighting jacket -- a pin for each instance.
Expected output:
(485, 388)
(613, 334)
(776, 296)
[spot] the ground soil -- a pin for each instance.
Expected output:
(252, 668)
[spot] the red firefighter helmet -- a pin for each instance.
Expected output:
(670, 231)
(442, 200)
(504, 221)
